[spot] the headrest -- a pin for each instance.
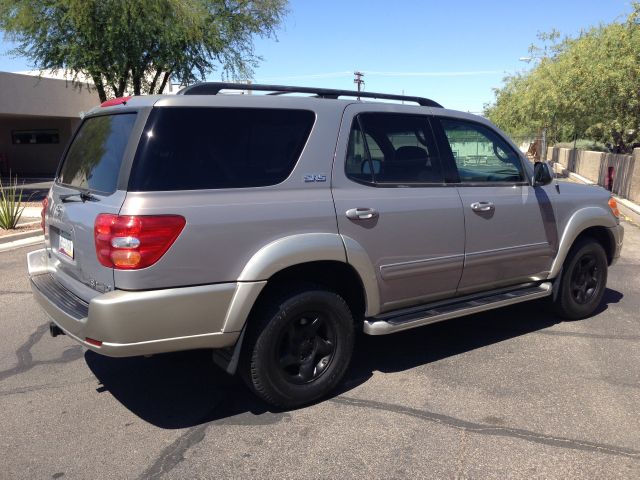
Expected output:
(407, 153)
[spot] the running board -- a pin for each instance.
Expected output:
(392, 324)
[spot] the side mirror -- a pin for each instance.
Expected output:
(541, 174)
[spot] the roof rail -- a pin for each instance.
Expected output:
(213, 88)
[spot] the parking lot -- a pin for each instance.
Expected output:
(511, 393)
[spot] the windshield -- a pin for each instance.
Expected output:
(94, 158)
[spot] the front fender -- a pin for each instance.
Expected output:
(582, 219)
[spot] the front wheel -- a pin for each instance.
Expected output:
(299, 347)
(583, 280)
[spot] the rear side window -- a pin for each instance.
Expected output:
(185, 148)
(388, 149)
(95, 155)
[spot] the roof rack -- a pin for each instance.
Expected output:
(213, 88)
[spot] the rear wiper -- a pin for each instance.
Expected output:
(84, 196)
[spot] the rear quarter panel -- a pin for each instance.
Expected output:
(225, 228)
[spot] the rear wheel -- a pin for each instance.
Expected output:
(299, 347)
(583, 280)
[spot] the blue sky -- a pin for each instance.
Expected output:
(454, 52)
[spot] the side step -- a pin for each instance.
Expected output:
(386, 324)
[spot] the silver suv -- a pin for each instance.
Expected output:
(272, 227)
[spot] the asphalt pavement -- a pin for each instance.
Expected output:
(512, 393)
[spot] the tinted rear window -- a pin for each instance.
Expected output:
(207, 148)
(95, 155)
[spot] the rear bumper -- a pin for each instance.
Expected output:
(129, 323)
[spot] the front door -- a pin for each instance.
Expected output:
(393, 204)
(510, 230)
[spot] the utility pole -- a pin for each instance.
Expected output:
(358, 80)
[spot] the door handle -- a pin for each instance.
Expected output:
(482, 206)
(361, 213)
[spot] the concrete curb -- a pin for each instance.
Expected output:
(24, 242)
(630, 205)
(36, 231)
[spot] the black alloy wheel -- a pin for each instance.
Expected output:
(583, 280)
(306, 347)
(298, 345)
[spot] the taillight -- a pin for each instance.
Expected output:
(613, 205)
(43, 212)
(130, 242)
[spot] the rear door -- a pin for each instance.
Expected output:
(510, 226)
(87, 185)
(393, 204)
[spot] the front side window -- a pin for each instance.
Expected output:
(191, 148)
(480, 154)
(388, 149)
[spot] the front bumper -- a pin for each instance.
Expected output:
(130, 323)
(617, 233)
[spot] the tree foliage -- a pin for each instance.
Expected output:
(584, 87)
(140, 45)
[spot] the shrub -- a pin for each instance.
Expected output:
(584, 144)
(11, 206)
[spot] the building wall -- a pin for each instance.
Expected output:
(28, 95)
(595, 166)
(34, 160)
(31, 103)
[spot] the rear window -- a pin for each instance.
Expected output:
(95, 155)
(185, 148)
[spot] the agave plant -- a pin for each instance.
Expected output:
(11, 206)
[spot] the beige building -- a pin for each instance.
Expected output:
(37, 118)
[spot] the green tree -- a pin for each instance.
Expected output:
(139, 45)
(582, 87)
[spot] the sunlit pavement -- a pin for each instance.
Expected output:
(505, 394)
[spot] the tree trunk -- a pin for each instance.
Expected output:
(136, 79)
(97, 81)
(152, 86)
(164, 82)
(122, 84)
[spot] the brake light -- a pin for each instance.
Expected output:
(116, 101)
(43, 212)
(613, 205)
(97, 343)
(130, 242)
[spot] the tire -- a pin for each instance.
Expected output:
(298, 347)
(583, 280)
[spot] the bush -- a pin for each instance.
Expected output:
(11, 206)
(584, 144)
